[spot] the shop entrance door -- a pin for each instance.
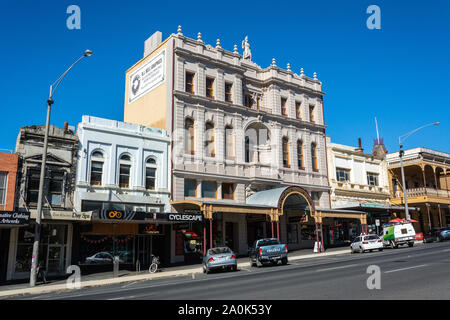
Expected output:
(144, 250)
(55, 259)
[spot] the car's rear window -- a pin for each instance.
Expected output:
(371, 238)
(270, 242)
(219, 251)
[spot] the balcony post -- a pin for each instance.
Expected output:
(424, 180)
(440, 216)
(435, 181)
(429, 217)
(446, 184)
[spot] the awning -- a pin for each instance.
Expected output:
(374, 207)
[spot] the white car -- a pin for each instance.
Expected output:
(366, 243)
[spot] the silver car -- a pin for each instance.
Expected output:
(219, 258)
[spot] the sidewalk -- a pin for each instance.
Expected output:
(106, 278)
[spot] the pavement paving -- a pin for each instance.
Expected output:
(421, 272)
(107, 278)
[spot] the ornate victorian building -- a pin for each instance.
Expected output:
(237, 130)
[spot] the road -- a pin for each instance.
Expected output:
(421, 272)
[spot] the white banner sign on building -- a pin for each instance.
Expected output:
(147, 77)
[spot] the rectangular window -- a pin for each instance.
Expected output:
(3, 186)
(209, 189)
(248, 101)
(316, 198)
(210, 88)
(342, 174)
(258, 103)
(284, 106)
(228, 191)
(228, 92)
(190, 187)
(311, 113)
(96, 173)
(124, 176)
(150, 177)
(190, 82)
(55, 193)
(33, 186)
(298, 110)
(300, 155)
(372, 179)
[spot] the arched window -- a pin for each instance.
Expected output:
(189, 137)
(209, 141)
(300, 154)
(124, 171)
(285, 143)
(150, 174)
(314, 157)
(97, 161)
(247, 149)
(229, 142)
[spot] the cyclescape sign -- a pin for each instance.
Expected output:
(147, 77)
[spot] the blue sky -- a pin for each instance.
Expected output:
(399, 74)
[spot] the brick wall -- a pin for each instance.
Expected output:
(9, 163)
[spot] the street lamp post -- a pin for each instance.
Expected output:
(37, 232)
(400, 154)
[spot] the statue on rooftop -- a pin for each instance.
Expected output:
(246, 46)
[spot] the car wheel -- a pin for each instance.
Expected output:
(284, 261)
(410, 244)
(361, 250)
(258, 263)
(381, 249)
(234, 268)
(351, 250)
(252, 264)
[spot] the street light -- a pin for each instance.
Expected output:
(400, 154)
(37, 233)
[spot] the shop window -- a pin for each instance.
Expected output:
(209, 189)
(150, 174)
(228, 92)
(96, 169)
(292, 233)
(228, 191)
(190, 82)
(229, 142)
(33, 186)
(210, 88)
(3, 186)
(284, 106)
(209, 142)
(342, 174)
(190, 187)
(372, 179)
(189, 137)
(308, 232)
(124, 171)
(316, 198)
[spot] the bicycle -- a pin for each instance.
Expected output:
(155, 265)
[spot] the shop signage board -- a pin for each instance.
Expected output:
(113, 215)
(151, 229)
(147, 77)
(14, 218)
(63, 215)
(185, 217)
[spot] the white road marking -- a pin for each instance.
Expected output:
(129, 284)
(248, 270)
(335, 268)
(402, 269)
(446, 250)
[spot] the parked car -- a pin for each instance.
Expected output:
(268, 250)
(437, 235)
(365, 243)
(398, 233)
(100, 258)
(219, 258)
(431, 236)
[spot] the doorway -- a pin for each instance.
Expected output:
(144, 247)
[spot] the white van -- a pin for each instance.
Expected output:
(398, 233)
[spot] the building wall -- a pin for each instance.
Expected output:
(113, 139)
(152, 109)
(9, 164)
(356, 190)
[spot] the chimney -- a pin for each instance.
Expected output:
(379, 149)
(66, 127)
(359, 149)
